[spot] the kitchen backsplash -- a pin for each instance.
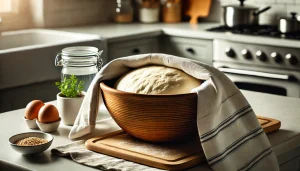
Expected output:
(59, 13)
(278, 9)
(63, 13)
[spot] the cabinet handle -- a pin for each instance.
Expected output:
(136, 51)
(191, 50)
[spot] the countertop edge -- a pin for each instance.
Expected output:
(199, 31)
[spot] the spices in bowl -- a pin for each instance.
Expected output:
(31, 141)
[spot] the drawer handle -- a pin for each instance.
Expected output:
(258, 74)
(191, 50)
(136, 51)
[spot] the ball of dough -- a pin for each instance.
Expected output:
(157, 80)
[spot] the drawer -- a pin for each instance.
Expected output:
(196, 49)
(292, 165)
(133, 47)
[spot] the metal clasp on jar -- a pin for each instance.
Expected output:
(99, 60)
(58, 60)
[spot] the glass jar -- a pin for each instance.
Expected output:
(171, 11)
(149, 11)
(82, 61)
(124, 11)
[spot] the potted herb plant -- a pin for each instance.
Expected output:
(69, 99)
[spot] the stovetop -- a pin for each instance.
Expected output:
(261, 30)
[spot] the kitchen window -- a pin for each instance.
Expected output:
(15, 14)
(5, 6)
(11, 7)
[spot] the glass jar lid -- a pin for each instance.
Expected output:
(79, 56)
(80, 51)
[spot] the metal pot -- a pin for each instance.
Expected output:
(289, 24)
(242, 15)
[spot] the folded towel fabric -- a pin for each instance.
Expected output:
(80, 154)
(231, 137)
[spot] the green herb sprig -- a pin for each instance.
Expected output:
(70, 87)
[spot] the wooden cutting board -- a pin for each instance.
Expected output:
(168, 156)
(164, 156)
(268, 124)
(196, 8)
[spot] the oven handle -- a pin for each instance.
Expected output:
(257, 74)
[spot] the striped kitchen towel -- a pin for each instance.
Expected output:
(231, 137)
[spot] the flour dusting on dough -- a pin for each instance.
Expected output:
(157, 80)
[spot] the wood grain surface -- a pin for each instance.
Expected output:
(158, 118)
(153, 118)
(268, 124)
(168, 156)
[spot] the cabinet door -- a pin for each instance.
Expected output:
(196, 49)
(292, 165)
(132, 47)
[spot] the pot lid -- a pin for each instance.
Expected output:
(293, 17)
(241, 6)
(244, 7)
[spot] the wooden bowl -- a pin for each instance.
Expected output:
(153, 118)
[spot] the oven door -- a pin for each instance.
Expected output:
(279, 84)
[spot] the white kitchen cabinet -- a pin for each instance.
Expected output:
(132, 47)
(196, 49)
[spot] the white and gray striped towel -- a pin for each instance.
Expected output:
(232, 138)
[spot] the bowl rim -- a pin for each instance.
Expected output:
(108, 88)
(13, 144)
(29, 119)
(46, 123)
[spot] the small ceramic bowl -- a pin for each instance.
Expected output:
(31, 123)
(30, 150)
(48, 127)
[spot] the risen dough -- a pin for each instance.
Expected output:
(157, 80)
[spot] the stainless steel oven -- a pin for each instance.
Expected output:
(279, 84)
(250, 72)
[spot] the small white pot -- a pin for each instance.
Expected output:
(68, 108)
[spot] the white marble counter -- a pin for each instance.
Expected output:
(116, 32)
(284, 141)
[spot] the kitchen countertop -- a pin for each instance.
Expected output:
(117, 32)
(284, 141)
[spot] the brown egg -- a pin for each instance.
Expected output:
(32, 109)
(48, 113)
